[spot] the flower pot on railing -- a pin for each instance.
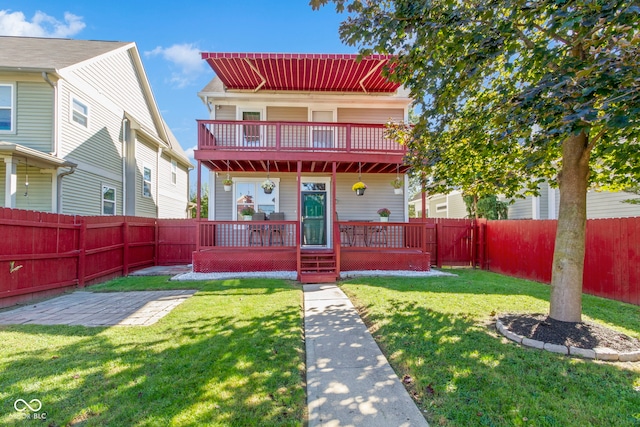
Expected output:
(384, 219)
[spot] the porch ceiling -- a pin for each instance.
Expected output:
(301, 72)
(308, 166)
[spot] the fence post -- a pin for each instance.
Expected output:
(438, 230)
(82, 248)
(156, 255)
(125, 247)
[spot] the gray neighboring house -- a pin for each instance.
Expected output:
(441, 205)
(80, 132)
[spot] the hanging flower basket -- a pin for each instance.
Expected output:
(228, 183)
(268, 186)
(359, 188)
(397, 185)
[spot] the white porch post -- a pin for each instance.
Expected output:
(11, 182)
(212, 196)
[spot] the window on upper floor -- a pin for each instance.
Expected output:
(174, 172)
(146, 181)
(7, 117)
(79, 112)
(108, 200)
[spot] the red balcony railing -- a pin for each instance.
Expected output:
(295, 136)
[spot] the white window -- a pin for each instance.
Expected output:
(249, 193)
(6, 108)
(108, 200)
(174, 172)
(79, 112)
(146, 181)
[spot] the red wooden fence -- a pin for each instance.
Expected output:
(449, 240)
(524, 248)
(43, 252)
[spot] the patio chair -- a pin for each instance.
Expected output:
(347, 231)
(256, 230)
(276, 230)
(377, 236)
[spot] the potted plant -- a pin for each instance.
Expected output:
(247, 213)
(397, 185)
(268, 186)
(359, 188)
(227, 182)
(384, 214)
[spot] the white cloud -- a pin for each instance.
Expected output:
(41, 25)
(190, 151)
(184, 56)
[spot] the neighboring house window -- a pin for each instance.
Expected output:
(174, 172)
(146, 184)
(79, 112)
(441, 207)
(250, 194)
(108, 200)
(6, 108)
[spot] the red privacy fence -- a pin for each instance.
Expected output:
(524, 248)
(41, 252)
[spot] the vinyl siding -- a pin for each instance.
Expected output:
(379, 194)
(120, 83)
(172, 199)
(544, 201)
(3, 174)
(457, 207)
(39, 195)
(82, 193)
(34, 116)
(225, 112)
(287, 114)
(604, 204)
(433, 203)
(520, 209)
(100, 144)
(146, 155)
(369, 115)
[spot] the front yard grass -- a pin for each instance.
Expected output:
(440, 332)
(231, 355)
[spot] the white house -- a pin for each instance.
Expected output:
(80, 132)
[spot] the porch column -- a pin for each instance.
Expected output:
(10, 182)
(198, 192)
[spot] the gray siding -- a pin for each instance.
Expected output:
(544, 201)
(146, 155)
(34, 116)
(38, 198)
(3, 171)
(369, 115)
(520, 209)
(604, 204)
(82, 193)
(172, 198)
(120, 83)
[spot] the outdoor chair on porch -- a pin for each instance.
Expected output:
(347, 231)
(377, 236)
(256, 230)
(275, 231)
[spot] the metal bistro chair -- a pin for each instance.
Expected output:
(256, 230)
(348, 231)
(276, 230)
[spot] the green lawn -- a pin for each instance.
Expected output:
(440, 332)
(231, 355)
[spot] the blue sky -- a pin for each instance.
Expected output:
(170, 35)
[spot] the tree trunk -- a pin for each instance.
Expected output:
(568, 256)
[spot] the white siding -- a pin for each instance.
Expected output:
(433, 205)
(34, 116)
(39, 194)
(120, 83)
(369, 115)
(172, 198)
(287, 114)
(457, 207)
(146, 155)
(3, 171)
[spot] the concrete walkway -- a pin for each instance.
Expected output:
(349, 381)
(139, 308)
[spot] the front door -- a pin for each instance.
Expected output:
(314, 218)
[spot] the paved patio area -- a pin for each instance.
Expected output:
(139, 308)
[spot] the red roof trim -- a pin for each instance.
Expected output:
(301, 72)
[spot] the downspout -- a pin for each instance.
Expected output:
(59, 185)
(54, 131)
(125, 121)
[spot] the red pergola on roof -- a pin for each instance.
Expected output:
(301, 72)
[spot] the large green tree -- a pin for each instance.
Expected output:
(528, 90)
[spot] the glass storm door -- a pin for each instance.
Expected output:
(314, 218)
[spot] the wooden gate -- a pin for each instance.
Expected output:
(450, 241)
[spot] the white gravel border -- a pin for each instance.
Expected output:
(292, 275)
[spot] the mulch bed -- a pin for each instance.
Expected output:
(585, 335)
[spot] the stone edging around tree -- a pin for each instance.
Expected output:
(600, 353)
